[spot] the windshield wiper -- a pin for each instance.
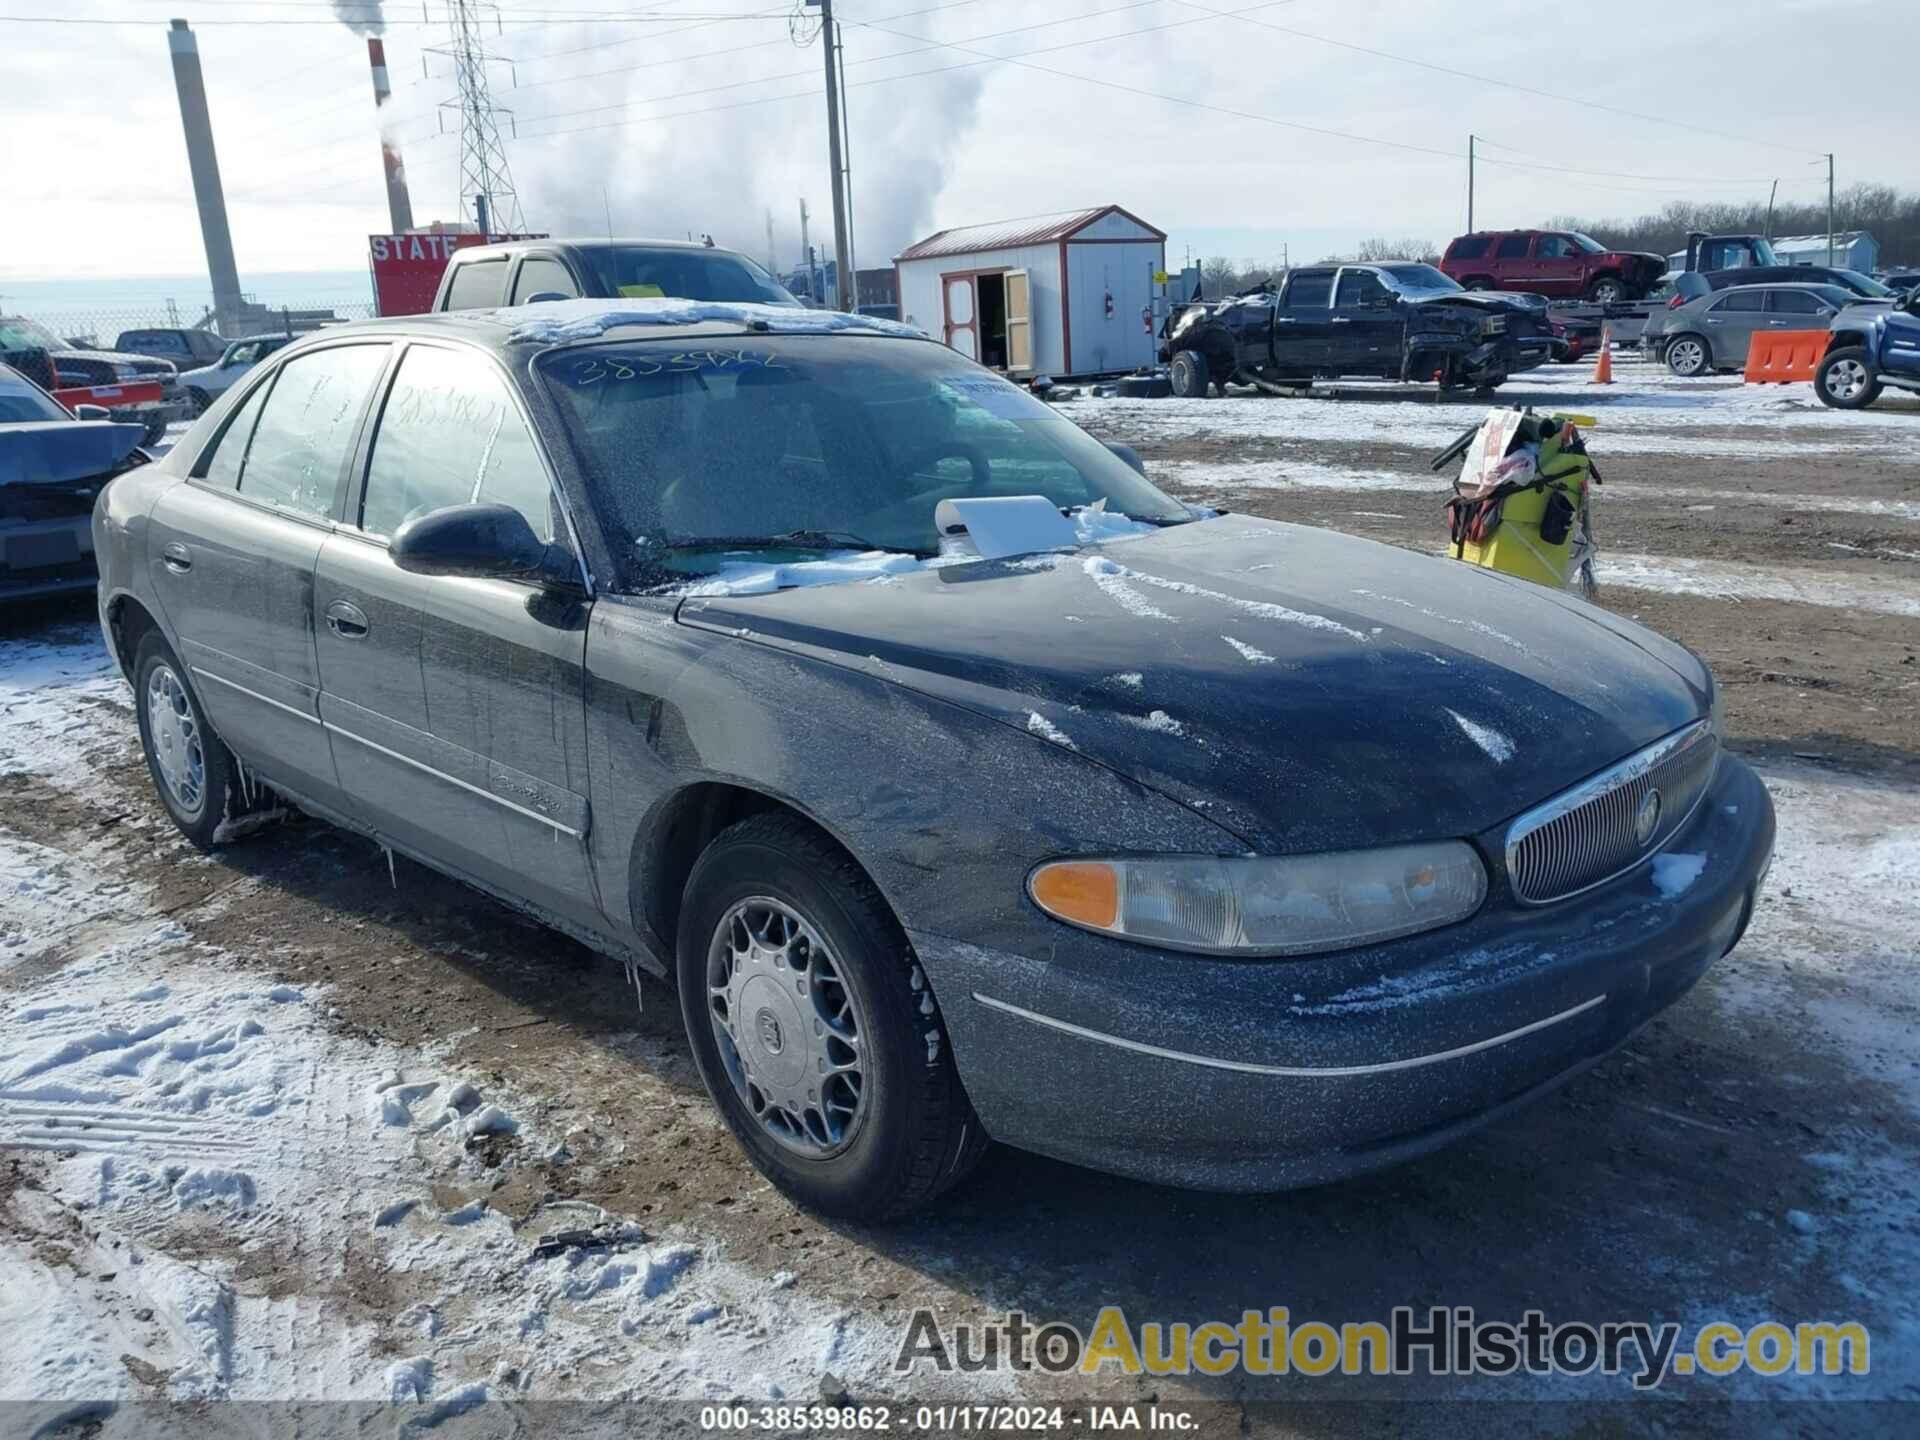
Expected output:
(791, 539)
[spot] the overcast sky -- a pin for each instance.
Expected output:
(683, 138)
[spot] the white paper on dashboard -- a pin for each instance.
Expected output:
(1007, 524)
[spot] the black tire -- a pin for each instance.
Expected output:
(913, 1133)
(1189, 375)
(1689, 355)
(1479, 282)
(1607, 290)
(199, 400)
(1839, 383)
(157, 669)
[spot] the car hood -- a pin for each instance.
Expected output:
(55, 452)
(147, 364)
(1306, 689)
(1481, 300)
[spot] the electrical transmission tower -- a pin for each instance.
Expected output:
(486, 181)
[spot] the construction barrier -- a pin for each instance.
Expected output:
(141, 392)
(1780, 357)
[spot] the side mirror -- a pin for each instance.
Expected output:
(1130, 456)
(544, 296)
(488, 542)
(92, 412)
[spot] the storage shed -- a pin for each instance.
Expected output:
(1048, 294)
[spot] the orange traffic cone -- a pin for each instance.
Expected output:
(1603, 367)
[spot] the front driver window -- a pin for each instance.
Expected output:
(450, 435)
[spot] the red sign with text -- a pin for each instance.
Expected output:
(407, 268)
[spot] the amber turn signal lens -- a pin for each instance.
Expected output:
(1084, 892)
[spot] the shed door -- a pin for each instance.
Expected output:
(962, 333)
(1019, 323)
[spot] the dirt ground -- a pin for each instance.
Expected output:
(1660, 1184)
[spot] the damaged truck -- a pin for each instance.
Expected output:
(1398, 321)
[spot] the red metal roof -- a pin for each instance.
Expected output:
(1008, 234)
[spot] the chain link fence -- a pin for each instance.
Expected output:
(100, 328)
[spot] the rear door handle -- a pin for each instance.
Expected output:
(176, 557)
(346, 620)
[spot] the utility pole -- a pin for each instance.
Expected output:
(806, 251)
(834, 165)
(1829, 209)
(773, 265)
(1470, 140)
(1771, 196)
(850, 287)
(484, 173)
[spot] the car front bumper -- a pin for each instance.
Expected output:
(1269, 1074)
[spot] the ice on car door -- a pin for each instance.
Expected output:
(457, 705)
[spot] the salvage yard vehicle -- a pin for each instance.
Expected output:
(966, 784)
(523, 272)
(184, 345)
(78, 367)
(208, 381)
(1400, 321)
(53, 466)
(1714, 331)
(1552, 263)
(1869, 348)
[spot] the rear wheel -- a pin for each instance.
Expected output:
(1189, 375)
(1845, 379)
(815, 1029)
(191, 769)
(1688, 356)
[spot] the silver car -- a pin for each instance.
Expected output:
(210, 382)
(1714, 331)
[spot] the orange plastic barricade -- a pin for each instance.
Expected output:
(1779, 357)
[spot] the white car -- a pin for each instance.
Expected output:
(210, 382)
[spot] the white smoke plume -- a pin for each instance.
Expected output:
(719, 172)
(363, 17)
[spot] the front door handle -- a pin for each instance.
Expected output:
(176, 557)
(346, 620)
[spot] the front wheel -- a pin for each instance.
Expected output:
(1688, 356)
(1188, 375)
(1845, 379)
(814, 1028)
(1607, 290)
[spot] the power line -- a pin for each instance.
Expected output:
(335, 24)
(1492, 80)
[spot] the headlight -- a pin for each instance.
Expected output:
(1266, 905)
(1495, 326)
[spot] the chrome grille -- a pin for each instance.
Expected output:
(1586, 836)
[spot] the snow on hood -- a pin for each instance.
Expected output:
(555, 322)
(1092, 524)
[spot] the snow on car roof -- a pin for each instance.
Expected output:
(556, 322)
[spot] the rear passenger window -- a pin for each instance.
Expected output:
(540, 275)
(1309, 292)
(450, 435)
(1741, 301)
(223, 467)
(1471, 248)
(1512, 247)
(307, 428)
(477, 285)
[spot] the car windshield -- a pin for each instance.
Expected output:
(651, 271)
(1587, 243)
(1409, 278)
(818, 442)
(1865, 284)
(19, 333)
(21, 402)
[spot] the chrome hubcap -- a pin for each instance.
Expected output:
(1689, 356)
(790, 1032)
(175, 732)
(1846, 379)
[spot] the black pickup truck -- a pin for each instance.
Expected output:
(1399, 320)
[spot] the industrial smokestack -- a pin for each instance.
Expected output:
(205, 165)
(399, 205)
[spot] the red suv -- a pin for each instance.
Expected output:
(1551, 262)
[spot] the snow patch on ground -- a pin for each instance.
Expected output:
(1725, 579)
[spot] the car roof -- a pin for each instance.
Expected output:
(504, 248)
(570, 322)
